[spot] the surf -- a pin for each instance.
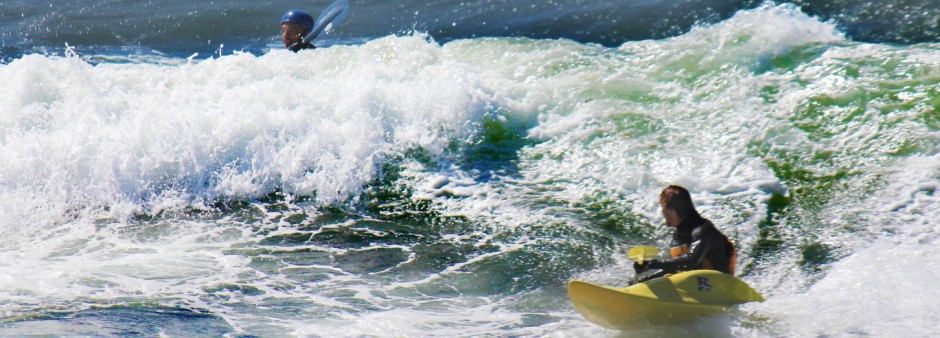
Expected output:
(413, 185)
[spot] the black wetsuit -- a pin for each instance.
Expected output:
(696, 244)
(300, 45)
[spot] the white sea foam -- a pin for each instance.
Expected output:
(237, 126)
(885, 287)
(85, 147)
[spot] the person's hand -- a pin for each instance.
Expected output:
(640, 268)
(296, 47)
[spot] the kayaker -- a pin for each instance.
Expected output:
(696, 243)
(295, 25)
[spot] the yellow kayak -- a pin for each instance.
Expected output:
(691, 293)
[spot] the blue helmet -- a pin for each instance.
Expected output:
(299, 17)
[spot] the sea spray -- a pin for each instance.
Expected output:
(411, 187)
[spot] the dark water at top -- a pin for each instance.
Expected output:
(181, 28)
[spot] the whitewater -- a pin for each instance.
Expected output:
(403, 186)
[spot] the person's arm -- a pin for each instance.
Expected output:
(300, 45)
(689, 261)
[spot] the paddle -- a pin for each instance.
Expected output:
(640, 254)
(332, 16)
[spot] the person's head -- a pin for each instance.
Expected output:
(295, 24)
(676, 204)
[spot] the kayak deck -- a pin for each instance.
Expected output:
(691, 293)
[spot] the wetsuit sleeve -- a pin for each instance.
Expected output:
(689, 261)
(299, 46)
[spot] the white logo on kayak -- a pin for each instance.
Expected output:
(703, 284)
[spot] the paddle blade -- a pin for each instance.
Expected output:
(640, 254)
(332, 16)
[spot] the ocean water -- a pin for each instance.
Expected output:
(444, 168)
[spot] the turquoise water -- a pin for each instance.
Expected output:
(408, 187)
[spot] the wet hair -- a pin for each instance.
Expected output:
(679, 200)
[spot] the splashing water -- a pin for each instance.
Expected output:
(410, 188)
